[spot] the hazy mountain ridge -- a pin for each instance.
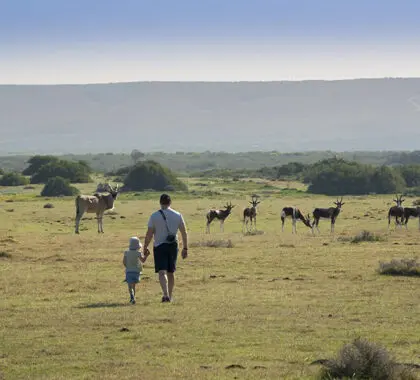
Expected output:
(363, 114)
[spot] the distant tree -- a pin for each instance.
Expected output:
(136, 155)
(411, 174)
(1, 171)
(85, 164)
(73, 171)
(36, 162)
(58, 186)
(386, 180)
(13, 179)
(151, 175)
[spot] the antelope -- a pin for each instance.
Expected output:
(220, 215)
(250, 214)
(327, 213)
(396, 211)
(96, 203)
(410, 211)
(296, 215)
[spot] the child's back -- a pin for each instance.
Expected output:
(133, 263)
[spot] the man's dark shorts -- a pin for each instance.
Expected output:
(165, 256)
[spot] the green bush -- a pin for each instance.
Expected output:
(340, 177)
(58, 186)
(151, 175)
(75, 172)
(36, 162)
(13, 179)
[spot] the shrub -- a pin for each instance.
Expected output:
(403, 267)
(366, 236)
(36, 162)
(73, 171)
(151, 175)
(58, 186)
(362, 359)
(5, 255)
(13, 179)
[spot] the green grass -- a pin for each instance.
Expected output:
(271, 303)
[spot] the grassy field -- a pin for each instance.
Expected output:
(269, 305)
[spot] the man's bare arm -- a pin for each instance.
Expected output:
(148, 239)
(184, 235)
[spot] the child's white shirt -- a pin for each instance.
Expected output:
(132, 261)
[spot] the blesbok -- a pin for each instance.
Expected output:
(396, 211)
(250, 214)
(220, 215)
(96, 203)
(410, 212)
(296, 215)
(327, 213)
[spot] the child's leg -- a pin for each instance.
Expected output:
(130, 290)
(134, 289)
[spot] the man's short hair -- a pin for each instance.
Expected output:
(165, 199)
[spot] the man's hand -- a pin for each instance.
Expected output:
(184, 253)
(146, 252)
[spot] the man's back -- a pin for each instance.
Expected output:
(173, 219)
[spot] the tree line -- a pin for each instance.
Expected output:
(332, 176)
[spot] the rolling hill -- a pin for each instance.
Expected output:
(360, 114)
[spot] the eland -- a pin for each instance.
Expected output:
(97, 203)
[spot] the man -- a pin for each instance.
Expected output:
(163, 225)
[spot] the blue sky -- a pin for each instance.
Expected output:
(60, 41)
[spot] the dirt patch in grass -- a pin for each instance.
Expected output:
(213, 243)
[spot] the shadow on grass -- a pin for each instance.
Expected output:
(102, 305)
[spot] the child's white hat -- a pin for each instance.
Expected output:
(134, 243)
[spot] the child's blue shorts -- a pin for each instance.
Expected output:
(132, 277)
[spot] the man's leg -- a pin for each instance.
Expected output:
(171, 283)
(163, 279)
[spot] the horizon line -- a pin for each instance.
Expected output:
(212, 81)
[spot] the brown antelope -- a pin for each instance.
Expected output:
(250, 214)
(397, 211)
(296, 215)
(220, 215)
(97, 203)
(408, 212)
(327, 213)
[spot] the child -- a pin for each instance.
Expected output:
(133, 259)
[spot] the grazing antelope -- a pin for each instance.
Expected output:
(97, 203)
(408, 212)
(296, 215)
(327, 213)
(250, 214)
(220, 215)
(396, 211)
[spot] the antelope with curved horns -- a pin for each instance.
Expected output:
(97, 203)
(327, 213)
(220, 215)
(396, 211)
(250, 214)
(408, 212)
(296, 215)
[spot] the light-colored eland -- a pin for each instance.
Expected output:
(97, 203)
